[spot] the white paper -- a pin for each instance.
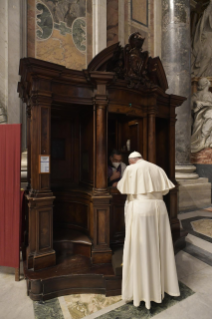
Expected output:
(44, 164)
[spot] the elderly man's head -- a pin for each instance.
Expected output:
(134, 157)
(115, 157)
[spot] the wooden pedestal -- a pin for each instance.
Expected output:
(40, 253)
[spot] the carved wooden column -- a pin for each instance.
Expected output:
(145, 144)
(100, 116)
(29, 147)
(101, 251)
(40, 253)
(151, 136)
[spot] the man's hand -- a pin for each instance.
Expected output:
(115, 175)
(115, 184)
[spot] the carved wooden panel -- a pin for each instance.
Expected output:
(71, 214)
(44, 229)
(86, 143)
(62, 145)
(101, 231)
(162, 143)
(117, 225)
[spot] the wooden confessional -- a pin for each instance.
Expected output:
(75, 222)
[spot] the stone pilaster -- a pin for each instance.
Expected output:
(13, 44)
(3, 61)
(99, 9)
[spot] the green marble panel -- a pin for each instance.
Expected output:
(50, 309)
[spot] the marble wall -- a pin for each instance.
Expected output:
(202, 157)
(12, 48)
(67, 32)
(112, 22)
(139, 17)
(57, 31)
(3, 60)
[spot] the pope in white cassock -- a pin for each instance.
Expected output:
(149, 268)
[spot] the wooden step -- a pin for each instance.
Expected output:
(72, 242)
(72, 275)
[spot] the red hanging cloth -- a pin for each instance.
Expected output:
(10, 199)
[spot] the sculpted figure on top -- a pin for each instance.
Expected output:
(132, 63)
(202, 117)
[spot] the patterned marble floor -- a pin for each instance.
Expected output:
(199, 226)
(80, 306)
(194, 267)
(203, 226)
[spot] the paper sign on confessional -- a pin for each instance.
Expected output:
(44, 164)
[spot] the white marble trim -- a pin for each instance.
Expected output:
(4, 54)
(105, 310)
(64, 308)
(99, 8)
(202, 212)
(157, 27)
(121, 22)
(199, 242)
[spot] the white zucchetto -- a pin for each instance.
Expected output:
(134, 155)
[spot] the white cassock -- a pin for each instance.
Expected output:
(149, 268)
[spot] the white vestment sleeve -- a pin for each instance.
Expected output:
(123, 181)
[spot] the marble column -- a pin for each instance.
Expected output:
(176, 54)
(176, 57)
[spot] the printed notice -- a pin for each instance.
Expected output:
(44, 164)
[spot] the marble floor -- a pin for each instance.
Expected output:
(194, 267)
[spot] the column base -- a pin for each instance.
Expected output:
(194, 194)
(185, 172)
(99, 257)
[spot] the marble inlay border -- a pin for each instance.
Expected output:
(203, 226)
(199, 253)
(186, 224)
